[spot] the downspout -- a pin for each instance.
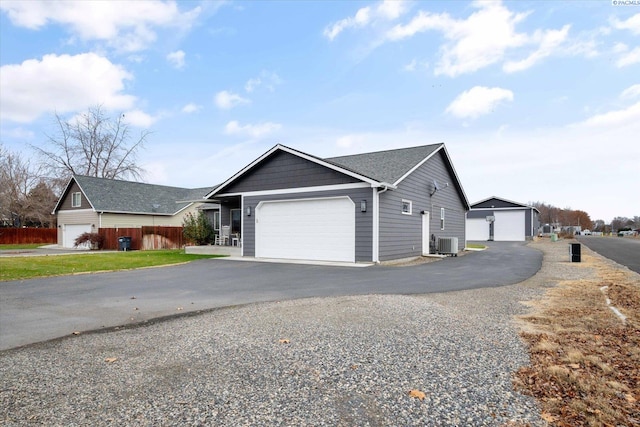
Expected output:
(376, 221)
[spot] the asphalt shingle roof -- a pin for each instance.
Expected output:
(111, 195)
(385, 166)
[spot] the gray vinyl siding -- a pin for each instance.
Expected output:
(482, 213)
(401, 235)
(364, 220)
(495, 203)
(66, 202)
(531, 229)
(284, 170)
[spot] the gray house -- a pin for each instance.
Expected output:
(502, 220)
(89, 203)
(362, 208)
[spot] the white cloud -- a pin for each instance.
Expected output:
(139, 118)
(411, 66)
(473, 43)
(631, 92)
(478, 101)
(226, 100)
(391, 9)
(252, 83)
(126, 27)
(548, 41)
(632, 24)
(254, 131)
(628, 58)
(62, 83)
(267, 79)
(387, 10)
(616, 118)
(360, 19)
(176, 59)
(191, 108)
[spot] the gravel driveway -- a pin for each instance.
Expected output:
(347, 361)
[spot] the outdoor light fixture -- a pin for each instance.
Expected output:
(248, 210)
(363, 206)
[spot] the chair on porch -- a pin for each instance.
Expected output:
(223, 237)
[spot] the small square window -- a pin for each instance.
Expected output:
(76, 200)
(407, 207)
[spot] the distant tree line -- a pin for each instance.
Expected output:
(91, 143)
(550, 214)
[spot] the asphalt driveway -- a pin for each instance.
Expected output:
(41, 309)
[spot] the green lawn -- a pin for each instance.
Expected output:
(25, 246)
(476, 246)
(15, 268)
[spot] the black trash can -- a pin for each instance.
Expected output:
(124, 243)
(574, 252)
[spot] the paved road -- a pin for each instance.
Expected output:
(623, 250)
(41, 309)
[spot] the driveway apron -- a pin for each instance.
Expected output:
(41, 309)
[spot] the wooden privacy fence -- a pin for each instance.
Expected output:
(21, 236)
(144, 238)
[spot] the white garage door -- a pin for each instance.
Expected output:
(509, 226)
(313, 229)
(477, 229)
(71, 231)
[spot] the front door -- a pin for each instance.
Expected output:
(425, 233)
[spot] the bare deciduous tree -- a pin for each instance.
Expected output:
(93, 144)
(25, 197)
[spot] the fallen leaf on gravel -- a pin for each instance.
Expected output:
(284, 341)
(548, 417)
(574, 365)
(417, 394)
(76, 332)
(354, 367)
(110, 359)
(630, 398)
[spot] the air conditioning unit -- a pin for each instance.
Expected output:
(448, 246)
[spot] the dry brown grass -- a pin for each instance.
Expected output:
(585, 361)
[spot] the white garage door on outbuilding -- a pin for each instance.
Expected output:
(509, 226)
(71, 231)
(311, 229)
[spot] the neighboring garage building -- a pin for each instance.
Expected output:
(502, 220)
(88, 204)
(362, 208)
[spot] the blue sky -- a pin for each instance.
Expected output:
(535, 100)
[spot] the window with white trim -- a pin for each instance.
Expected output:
(407, 207)
(76, 200)
(216, 220)
(441, 218)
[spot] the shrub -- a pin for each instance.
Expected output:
(197, 229)
(94, 240)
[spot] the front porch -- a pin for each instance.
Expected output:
(214, 250)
